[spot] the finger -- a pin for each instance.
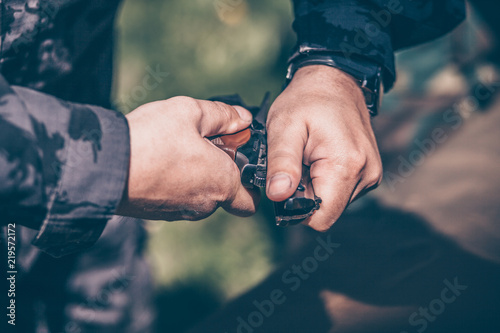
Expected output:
(284, 160)
(218, 118)
(335, 186)
(365, 186)
(237, 199)
(244, 203)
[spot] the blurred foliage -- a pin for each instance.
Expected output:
(208, 48)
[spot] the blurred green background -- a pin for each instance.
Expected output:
(216, 47)
(209, 47)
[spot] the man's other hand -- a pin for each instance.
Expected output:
(321, 120)
(175, 172)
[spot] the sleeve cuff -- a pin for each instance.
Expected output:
(91, 171)
(345, 28)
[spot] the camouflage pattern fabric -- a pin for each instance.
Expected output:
(372, 29)
(63, 166)
(60, 47)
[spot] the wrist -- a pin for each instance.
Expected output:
(321, 80)
(367, 74)
(324, 78)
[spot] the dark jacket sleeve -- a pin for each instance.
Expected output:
(373, 29)
(63, 167)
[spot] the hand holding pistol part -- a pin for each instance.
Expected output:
(248, 149)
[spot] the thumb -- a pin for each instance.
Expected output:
(284, 161)
(218, 118)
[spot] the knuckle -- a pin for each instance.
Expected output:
(375, 176)
(223, 109)
(228, 185)
(243, 209)
(227, 114)
(202, 211)
(284, 151)
(281, 129)
(378, 176)
(321, 227)
(251, 210)
(322, 221)
(187, 105)
(284, 160)
(280, 154)
(356, 162)
(196, 210)
(280, 121)
(277, 123)
(182, 100)
(373, 182)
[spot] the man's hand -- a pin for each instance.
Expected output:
(321, 120)
(175, 172)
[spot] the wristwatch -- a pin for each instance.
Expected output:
(367, 73)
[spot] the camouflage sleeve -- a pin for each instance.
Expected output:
(372, 29)
(63, 167)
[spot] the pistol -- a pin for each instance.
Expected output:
(248, 149)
